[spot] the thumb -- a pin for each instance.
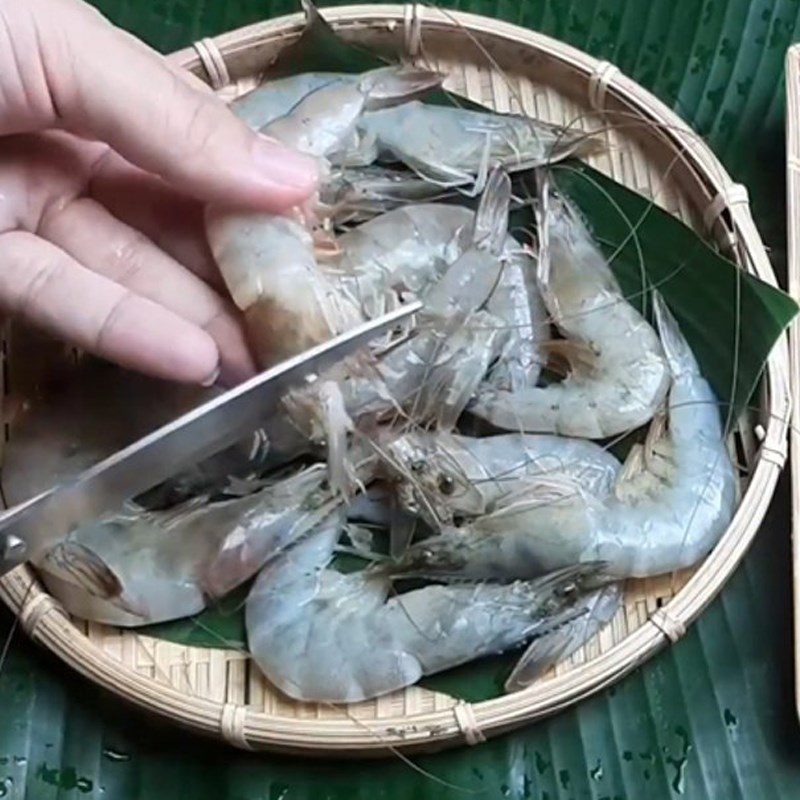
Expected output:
(106, 84)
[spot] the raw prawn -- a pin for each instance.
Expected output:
(445, 145)
(451, 146)
(432, 374)
(618, 376)
(406, 250)
(445, 476)
(276, 98)
(666, 512)
(268, 261)
(143, 567)
(320, 635)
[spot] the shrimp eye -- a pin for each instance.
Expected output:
(566, 590)
(446, 484)
(418, 465)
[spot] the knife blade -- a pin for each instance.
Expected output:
(29, 529)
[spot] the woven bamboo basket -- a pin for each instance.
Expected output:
(793, 257)
(220, 692)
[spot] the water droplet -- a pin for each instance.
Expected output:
(20, 761)
(67, 778)
(647, 774)
(477, 773)
(563, 777)
(505, 790)
(6, 786)
(3, 761)
(730, 719)
(527, 785)
(679, 762)
(627, 755)
(597, 772)
(542, 764)
(278, 791)
(116, 755)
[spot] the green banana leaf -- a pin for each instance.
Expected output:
(648, 248)
(711, 717)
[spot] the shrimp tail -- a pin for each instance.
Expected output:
(547, 650)
(390, 86)
(490, 227)
(679, 355)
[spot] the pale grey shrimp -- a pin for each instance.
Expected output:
(452, 146)
(664, 520)
(276, 98)
(445, 145)
(432, 374)
(517, 301)
(445, 476)
(618, 375)
(141, 567)
(403, 251)
(268, 261)
(406, 250)
(320, 635)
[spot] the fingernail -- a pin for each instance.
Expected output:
(284, 166)
(211, 379)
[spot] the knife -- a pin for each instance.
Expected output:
(33, 527)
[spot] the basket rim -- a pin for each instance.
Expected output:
(793, 269)
(247, 728)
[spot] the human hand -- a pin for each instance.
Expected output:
(106, 152)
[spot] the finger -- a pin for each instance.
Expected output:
(99, 241)
(171, 220)
(126, 95)
(47, 287)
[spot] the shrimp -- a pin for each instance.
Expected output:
(276, 98)
(406, 250)
(402, 251)
(451, 146)
(141, 567)
(445, 476)
(432, 374)
(618, 377)
(268, 261)
(517, 301)
(665, 513)
(447, 146)
(323, 636)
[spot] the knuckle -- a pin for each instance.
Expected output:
(34, 278)
(105, 331)
(202, 123)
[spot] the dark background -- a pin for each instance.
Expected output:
(712, 717)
